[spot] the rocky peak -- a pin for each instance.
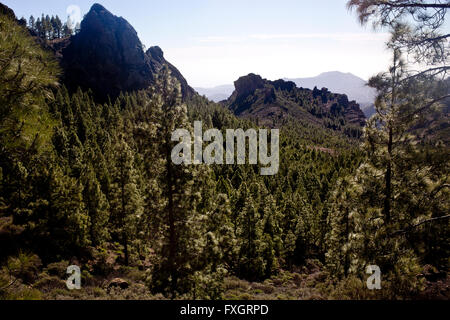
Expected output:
(272, 102)
(283, 85)
(108, 57)
(157, 61)
(156, 53)
(97, 7)
(248, 84)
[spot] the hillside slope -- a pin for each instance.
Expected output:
(273, 103)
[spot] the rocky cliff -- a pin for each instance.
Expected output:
(108, 57)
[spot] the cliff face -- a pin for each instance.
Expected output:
(273, 102)
(108, 57)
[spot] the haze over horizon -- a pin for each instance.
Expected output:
(214, 42)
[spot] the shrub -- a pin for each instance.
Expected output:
(58, 269)
(48, 283)
(25, 267)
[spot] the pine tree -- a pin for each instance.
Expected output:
(68, 28)
(182, 242)
(32, 23)
(341, 202)
(46, 26)
(252, 264)
(97, 207)
(68, 212)
(77, 28)
(272, 235)
(58, 25)
(39, 28)
(397, 188)
(125, 198)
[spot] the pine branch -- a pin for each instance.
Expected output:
(435, 39)
(413, 5)
(409, 229)
(437, 70)
(430, 104)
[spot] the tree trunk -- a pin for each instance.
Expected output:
(125, 245)
(347, 232)
(388, 180)
(172, 231)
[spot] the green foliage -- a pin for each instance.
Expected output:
(383, 214)
(51, 28)
(27, 73)
(92, 183)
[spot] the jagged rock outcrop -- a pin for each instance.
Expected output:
(157, 61)
(248, 85)
(273, 102)
(284, 85)
(108, 57)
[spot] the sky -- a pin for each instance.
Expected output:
(214, 42)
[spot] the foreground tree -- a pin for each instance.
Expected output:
(182, 241)
(402, 187)
(420, 29)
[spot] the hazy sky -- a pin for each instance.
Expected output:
(214, 42)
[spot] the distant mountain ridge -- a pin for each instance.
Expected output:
(354, 87)
(218, 93)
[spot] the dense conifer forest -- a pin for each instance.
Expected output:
(91, 183)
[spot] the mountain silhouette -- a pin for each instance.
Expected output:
(273, 103)
(107, 57)
(345, 83)
(354, 87)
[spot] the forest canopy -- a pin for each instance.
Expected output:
(93, 184)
